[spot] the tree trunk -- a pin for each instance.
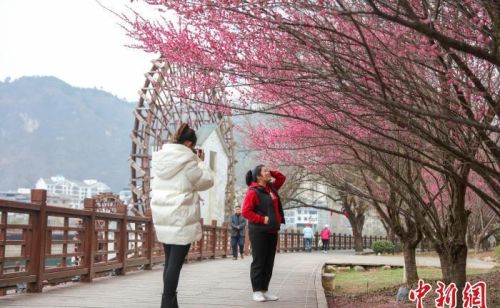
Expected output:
(459, 263)
(458, 220)
(470, 238)
(358, 241)
(459, 271)
(410, 264)
(477, 244)
(357, 223)
(444, 259)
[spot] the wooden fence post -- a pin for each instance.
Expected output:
(202, 240)
(38, 197)
(278, 245)
(214, 238)
(90, 240)
(286, 241)
(226, 238)
(123, 252)
(247, 241)
(150, 239)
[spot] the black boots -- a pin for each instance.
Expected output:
(169, 302)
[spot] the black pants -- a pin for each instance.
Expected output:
(325, 244)
(174, 258)
(235, 242)
(263, 253)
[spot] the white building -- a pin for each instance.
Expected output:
(313, 193)
(297, 218)
(211, 140)
(71, 193)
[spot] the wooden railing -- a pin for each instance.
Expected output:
(291, 241)
(45, 245)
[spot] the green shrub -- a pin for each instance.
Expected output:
(383, 247)
(497, 252)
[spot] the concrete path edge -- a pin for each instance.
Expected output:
(320, 293)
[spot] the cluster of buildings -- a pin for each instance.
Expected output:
(60, 191)
(70, 193)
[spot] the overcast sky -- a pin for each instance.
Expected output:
(74, 40)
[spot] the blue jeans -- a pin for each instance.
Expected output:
(235, 242)
(308, 244)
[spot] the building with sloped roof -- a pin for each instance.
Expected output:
(211, 140)
(72, 192)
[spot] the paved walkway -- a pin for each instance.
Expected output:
(212, 283)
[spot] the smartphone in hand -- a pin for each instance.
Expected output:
(200, 153)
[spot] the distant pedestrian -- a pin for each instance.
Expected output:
(262, 207)
(238, 224)
(325, 238)
(308, 237)
(178, 175)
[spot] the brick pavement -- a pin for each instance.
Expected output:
(211, 283)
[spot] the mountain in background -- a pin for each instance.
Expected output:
(48, 127)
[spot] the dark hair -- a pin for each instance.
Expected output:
(184, 133)
(251, 175)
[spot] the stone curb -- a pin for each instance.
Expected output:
(320, 293)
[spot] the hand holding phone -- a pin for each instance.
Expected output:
(200, 154)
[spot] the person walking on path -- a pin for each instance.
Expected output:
(264, 212)
(308, 237)
(325, 238)
(238, 224)
(178, 175)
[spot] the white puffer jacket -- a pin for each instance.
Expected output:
(178, 175)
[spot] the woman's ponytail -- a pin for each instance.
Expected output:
(249, 177)
(184, 133)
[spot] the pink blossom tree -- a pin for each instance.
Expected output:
(415, 80)
(407, 62)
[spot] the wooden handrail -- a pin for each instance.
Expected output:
(61, 244)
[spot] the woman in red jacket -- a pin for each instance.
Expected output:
(264, 212)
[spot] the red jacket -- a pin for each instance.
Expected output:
(325, 234)
(251, 200)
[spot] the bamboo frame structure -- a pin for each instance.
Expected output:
(158, 113)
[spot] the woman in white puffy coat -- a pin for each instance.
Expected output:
(178, 175)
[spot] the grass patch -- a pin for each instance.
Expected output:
(352, 282)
